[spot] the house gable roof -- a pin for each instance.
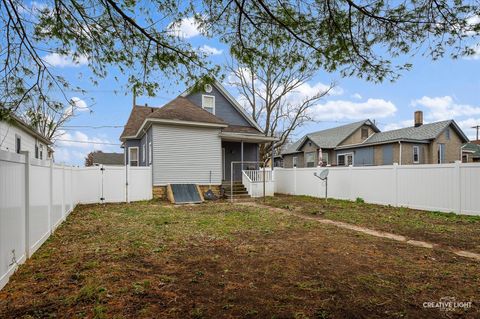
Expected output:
(424, 132)
(329, 138)
(178, 110)
(135, 120)
(232, 101)
(181, 109)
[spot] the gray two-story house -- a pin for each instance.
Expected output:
(193, 139)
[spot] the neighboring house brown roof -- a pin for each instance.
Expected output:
(108, 158)
(241, 129)
(179, 109)
(137, 116)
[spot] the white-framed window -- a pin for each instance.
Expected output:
(41, 151)
(416, 154)
(133, 156)
(447, 134)
(150, 152)
(441, 153)
(36, 150)
(295, 159)
(18, 144)
(345, 159)
(310, 159)
(208, 103)
(144, 151)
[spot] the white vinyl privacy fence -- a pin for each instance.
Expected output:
(36, 196)
(444, 187)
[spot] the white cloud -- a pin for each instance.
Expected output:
(467, 127)
(185, 28)
(475, 55)
(76, 105)
(307, 89)
(62, 60)
(357, 96)
(210, 50)
(444, 108)
(80, 105)
(349, 110)
(472, 22)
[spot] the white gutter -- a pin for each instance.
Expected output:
(246, 136)
(172, 122)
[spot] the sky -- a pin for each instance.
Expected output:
(443, 89)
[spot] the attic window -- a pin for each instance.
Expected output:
(364, 133)
(208, 103)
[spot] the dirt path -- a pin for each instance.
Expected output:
(369, 231)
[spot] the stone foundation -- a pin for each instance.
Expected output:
(160, 192)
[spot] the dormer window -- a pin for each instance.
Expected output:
(208, 103)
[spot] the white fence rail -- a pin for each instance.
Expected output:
(444, 187)
(253, 182)
(36, 196)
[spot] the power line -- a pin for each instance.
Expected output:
(91, 126)
(89, 142)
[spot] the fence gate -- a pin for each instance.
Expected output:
(112, 184)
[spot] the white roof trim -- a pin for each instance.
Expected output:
(232, 101)
(246, 136)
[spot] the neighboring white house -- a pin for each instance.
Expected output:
(17, 136)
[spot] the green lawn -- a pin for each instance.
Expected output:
(448, 229)
(221, 260)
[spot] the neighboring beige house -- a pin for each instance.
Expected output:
(471, 152)
(17, 136)
(433, 143)
(318, 148)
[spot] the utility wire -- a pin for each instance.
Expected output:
(91, 126)
(89, 142)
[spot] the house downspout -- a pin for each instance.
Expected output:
(241, 155)
(400, 153)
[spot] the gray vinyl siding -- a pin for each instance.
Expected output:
(223, 108)
(146, 138)
(186, 154)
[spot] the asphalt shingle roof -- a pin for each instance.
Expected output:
(423, 132)
(108, 158)
(329, 138)
(179, 109)
(472, 147)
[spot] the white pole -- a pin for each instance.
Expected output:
(27, 203)
(50, 206)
